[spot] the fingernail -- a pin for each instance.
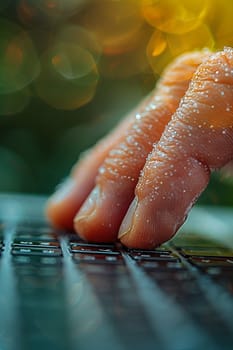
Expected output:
(89, 205)
(127, 223)
(63, 190)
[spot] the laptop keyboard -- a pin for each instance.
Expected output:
(177, 259)
(41, 245)
(187, 273)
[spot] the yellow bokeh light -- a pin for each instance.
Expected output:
(219, 20)
(159, 43)
(172, 16)
(69, 77)
(115, 23)
(197, 39)
(118, 39)
(129, 63)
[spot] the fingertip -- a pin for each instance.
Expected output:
(84, 218)
(142, 236)
(63, 205)
(59, 215)
(96, 221)
(91, 229)
(138, 229)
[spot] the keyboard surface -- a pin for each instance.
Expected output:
(67, 294)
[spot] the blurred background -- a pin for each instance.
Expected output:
(70, 69)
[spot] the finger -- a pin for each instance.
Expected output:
(64, 204)
(70, 195)
(198, 139)
(101, 215)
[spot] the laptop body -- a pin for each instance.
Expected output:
(58, 292)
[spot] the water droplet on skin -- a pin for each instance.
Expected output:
(138, 116)
(102, 170)
(153, 106)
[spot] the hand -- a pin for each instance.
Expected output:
(139, 182)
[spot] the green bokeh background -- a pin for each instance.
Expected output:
(39, 145)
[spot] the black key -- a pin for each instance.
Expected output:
(206, 262)
(33, 260)
(35, 243)
(162, 250)
(97, 258)
(153, 256)
(161, 265)
(91, 245)
(205, 251)
(93, 250)
(53, 252)
(27, 236)
(193, 240)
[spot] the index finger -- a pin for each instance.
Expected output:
(198, 139)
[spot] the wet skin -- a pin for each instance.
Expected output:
(139, 183)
